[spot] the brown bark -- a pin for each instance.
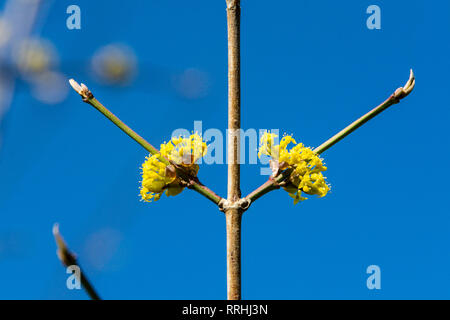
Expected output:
(232, 213)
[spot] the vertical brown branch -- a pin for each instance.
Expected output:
(233, 213)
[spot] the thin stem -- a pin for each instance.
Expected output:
(266, 187)
(269, 185)
(205, 191)
(355, 125)
(396, 97)
(69, 259)
(114, 119)
(233, 215)
(193, 184)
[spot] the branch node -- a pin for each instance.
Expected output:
(242, 205)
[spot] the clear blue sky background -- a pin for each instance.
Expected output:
(308, 68)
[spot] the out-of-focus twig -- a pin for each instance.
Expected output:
(274, 182)
(68, 258)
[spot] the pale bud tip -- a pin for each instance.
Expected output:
(404, 91)
(55, 229)
(75, 85)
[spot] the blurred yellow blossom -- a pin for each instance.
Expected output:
(306, 166)
(158, 176)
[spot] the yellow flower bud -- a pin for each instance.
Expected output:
(306, 165)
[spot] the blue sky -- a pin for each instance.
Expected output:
(308, 68)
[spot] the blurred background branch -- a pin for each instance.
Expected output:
(17, 21)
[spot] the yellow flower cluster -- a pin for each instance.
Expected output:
(307, 166)
(158, 176)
